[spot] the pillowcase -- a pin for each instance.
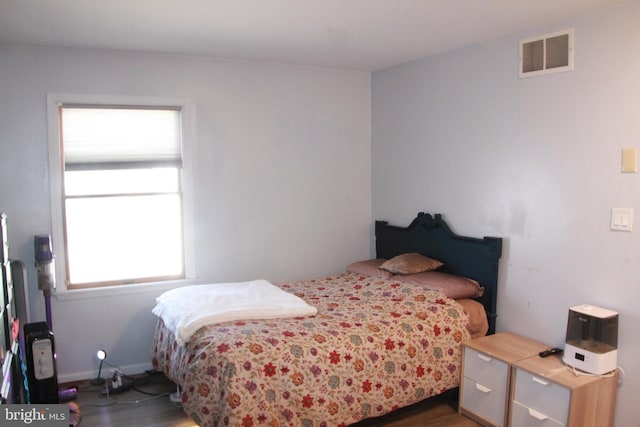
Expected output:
(478, 324)
(370, 268)
(450, 285)
(410, 263)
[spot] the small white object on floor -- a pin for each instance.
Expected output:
(176, 397)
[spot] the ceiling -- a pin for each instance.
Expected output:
(353, 34)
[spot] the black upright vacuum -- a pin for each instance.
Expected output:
(38, 337)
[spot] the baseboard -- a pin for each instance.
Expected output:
(106, 372)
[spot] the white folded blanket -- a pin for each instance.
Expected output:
(187, 309)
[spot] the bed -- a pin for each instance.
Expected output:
(376, 343)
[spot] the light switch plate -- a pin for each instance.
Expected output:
(621, 219)
(629, 160)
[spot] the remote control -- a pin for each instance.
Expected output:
(554, 350)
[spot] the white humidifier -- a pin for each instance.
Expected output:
(592, 339)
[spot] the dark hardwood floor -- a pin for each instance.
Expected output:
(147, 404)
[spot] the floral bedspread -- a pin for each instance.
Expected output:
(374, 346)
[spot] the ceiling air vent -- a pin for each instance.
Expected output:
(549, 53)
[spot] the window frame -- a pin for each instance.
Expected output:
(57, 197)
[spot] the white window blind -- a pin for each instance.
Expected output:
(119, 136)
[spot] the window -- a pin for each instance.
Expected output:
(121, 193)
(551, 53)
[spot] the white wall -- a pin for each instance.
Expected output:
(536, 161)
(281, 177)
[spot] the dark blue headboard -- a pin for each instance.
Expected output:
(476, 258)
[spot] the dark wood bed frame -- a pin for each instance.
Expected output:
(476, 258)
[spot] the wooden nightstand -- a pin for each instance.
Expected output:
(547, 394)
(486, 374)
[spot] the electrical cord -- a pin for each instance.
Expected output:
(120, 383)
(131, 383)
(146, 399)
(623, 376)
(578, 373)
(142, 381)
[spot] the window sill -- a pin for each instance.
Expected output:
(154, 287)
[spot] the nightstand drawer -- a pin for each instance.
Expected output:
(484, 401)
(486, 370)
(521, 416)
(542, 396)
